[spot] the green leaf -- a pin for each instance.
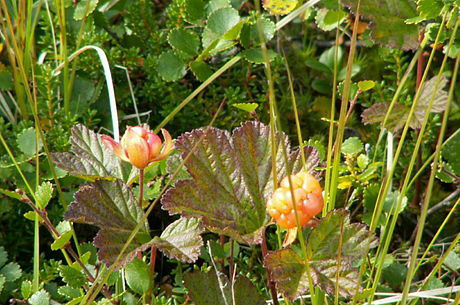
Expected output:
(290, 271)
(27, 142)
(26, 289)
(6, 80)
(451, 153)
(82, 91)
(369, 172)
(399, 114)
(334, 17)
(201, 70)
(170, 66)
(395, 274)
(330, 4)
(73, 277)
(62, 240)
(327, 57)
(69, 292)
(213, 43)
(2, 282)
(429, 9)
(376, 114)
(194, 11)
(388, 25)
(232, 178)
(452, 261)
(439, 102)
(366, 85)
(40, 297)
(31, 215)
(181, 240)
(138, 276)
(184, 41)
(63, 226)
(249, 107)
(362, 161)
(370, 196)
(256, 55)
(10, 194)
(318, 66)
(434, 283)
(89, 248)
(90, 158)
(252, 36)
(174, 161)
(352, 145)
(84, 9)
(223, 20)
(328, 20)
(205, 289)
(392, 200)
(279, 7)
(442, 173)
(355, 69)
(11, 271)
(111, 206)
(214, 5)
(43, 194)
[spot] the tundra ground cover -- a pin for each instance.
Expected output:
(308, 153)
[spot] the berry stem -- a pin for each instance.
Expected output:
(271, 284)
(153, 256)
(141, 187)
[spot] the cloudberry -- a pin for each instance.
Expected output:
(307, 199)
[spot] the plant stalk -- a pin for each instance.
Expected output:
(270, 283)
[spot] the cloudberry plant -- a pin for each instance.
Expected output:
(307, 198)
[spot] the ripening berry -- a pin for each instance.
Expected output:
(307, 199)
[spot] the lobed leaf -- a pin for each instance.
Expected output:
(256, 55)
(27, 142)
(84, 9)
(111, 206)
(399, 114)
(194, 11)
(231, 178)
(170, 66)
(290, 271)
(73, 277)
(201, 70)
(69, 292)
(450, 152)
(184, 41)
(40, 297)
(90, 158)
(429, 9)
(43, 194)
(205, 289)
(181, 240)
(11, 271)
(388, 26)
(26, 289)
(439, 101)
(376, 114)
(352, 145)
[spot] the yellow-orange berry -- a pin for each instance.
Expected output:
(307, 199)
